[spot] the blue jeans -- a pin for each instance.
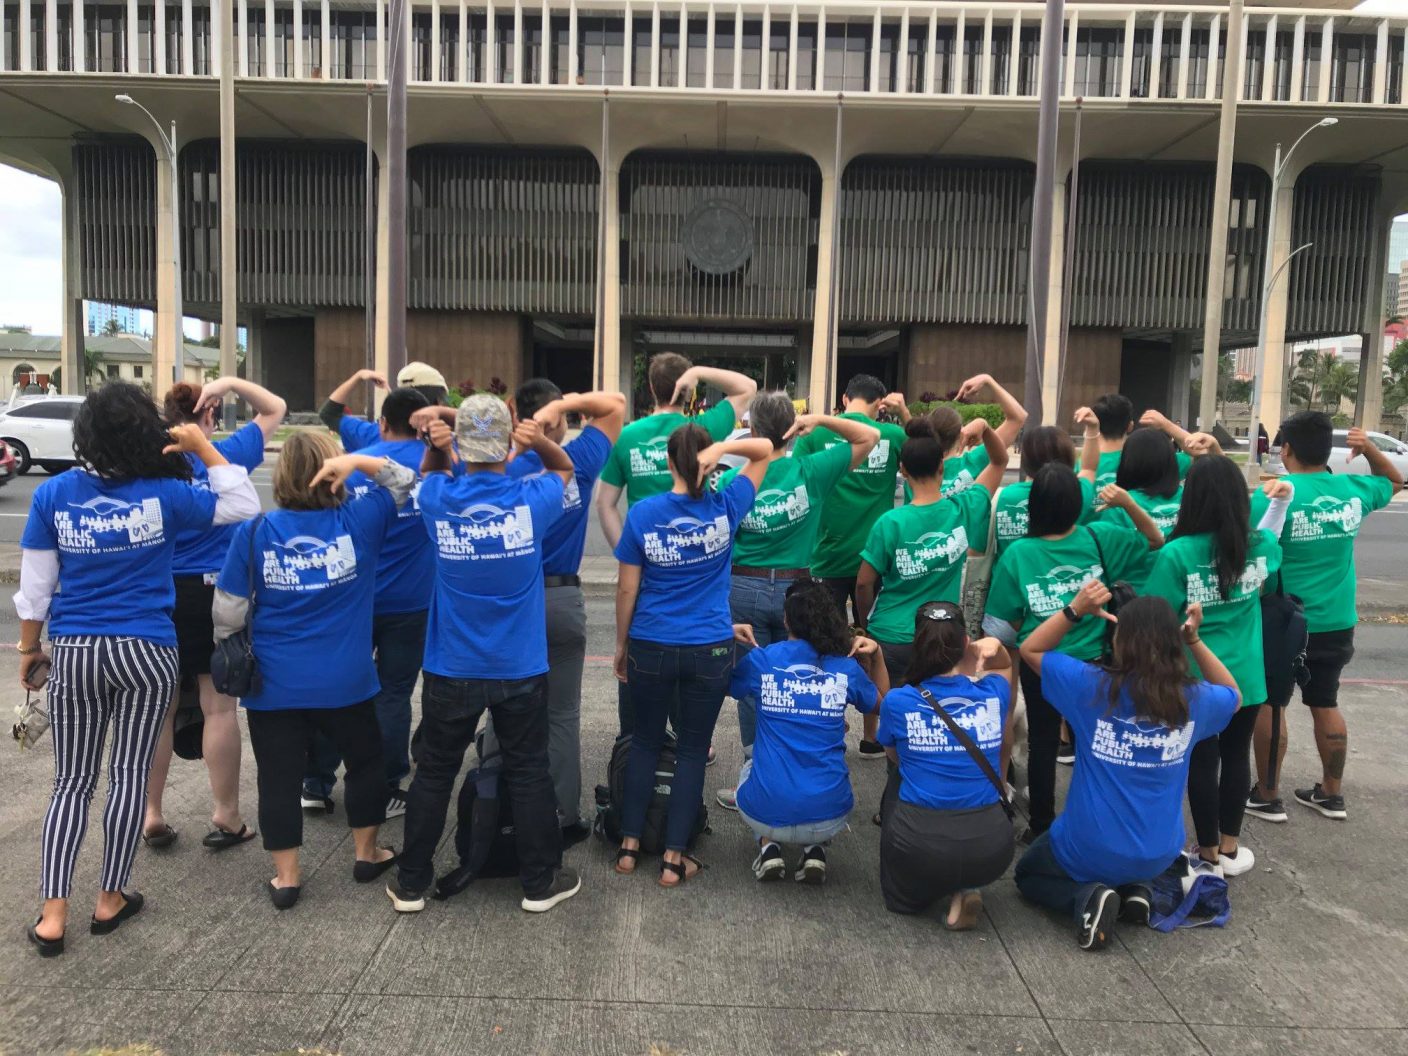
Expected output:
(697, 677)
(1041, 879)
(758, 602)
(450, 712)
(398, 644)
(806, 834)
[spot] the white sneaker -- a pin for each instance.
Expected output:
(1242, 861)
(727, 798)
(1196, 867)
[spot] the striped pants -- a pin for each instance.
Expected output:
(102, 684)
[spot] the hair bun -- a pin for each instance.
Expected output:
(920, 428)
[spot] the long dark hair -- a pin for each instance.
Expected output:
(118, 434)
(1149, 464)
(685, 444)
(1215, 503)
(1149, 662)
(812, 616)
(940, 641)
(1055, 502)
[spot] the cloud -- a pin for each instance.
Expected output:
(31, 251)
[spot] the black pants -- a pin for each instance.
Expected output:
(450, 711)
(897, 656)
(1043, 740)
(1217, 800)
(281, 740)
(843, 590)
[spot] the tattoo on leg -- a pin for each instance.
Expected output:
(1334, 758)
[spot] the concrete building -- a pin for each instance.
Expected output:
(809, 189)
(31, 359)
(129, 320)
(1397, 245)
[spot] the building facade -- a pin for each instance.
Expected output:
(806, 190)
(100, 315)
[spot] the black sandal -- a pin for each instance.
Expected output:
(222, 839)
(625, 854)
(161, 839)
(47, 947)
(678, 868)
(131, 906)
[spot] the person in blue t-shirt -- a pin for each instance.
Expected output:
(486, 645)
(309, 571)
(357, 433)
(944, 831)
(1134, 722)
(795, 787)
(674, 633)
(405, 572)
(542, 401)
(96, 563)
(199, 555)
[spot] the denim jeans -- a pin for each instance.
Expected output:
(806, 834)
(450, 712)
(757, 602)
(696, 675)
(1041, 879)
(398, 644)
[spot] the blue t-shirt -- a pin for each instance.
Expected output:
(115, 541)
(562, 547)
(357, 433)
(684, 547)
(936, 771)
(799, 773)
(201, 552)
(1123, 821)
(405, 575)
(315, 577)
(487, 618)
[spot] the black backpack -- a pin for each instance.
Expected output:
(611, 796)
(484, 834)
(1121, 593)
(1285, 636)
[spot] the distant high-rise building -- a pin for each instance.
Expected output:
(100, 314)
(1403, 289)
(1398, 245)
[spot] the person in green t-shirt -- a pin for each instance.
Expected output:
(961, 468)
(1318, 540)
(1110, 420)
(1148, 470)
(1037, 576)
(861, 496)
(916, 553)
(1213, 558)
(1041, 444)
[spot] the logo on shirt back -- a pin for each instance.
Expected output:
(1143, 745)
(651, 457)
(980, 719)
(485, 531)
(931, 552)
(804, 689)
(1204, 587)
(1165, 515)
(686, 541)
(306, 562)
(1327, 518)
(571, 495)
(1012, 520)
(879, 458)
(1053, 590)
(962, 481)
(774, 504)
(106, 524)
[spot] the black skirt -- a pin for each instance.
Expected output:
(927, 855)
(195, 624)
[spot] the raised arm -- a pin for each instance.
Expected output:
(866, 652)
(235, 497)
(1156, 420)
(1359, 443)
(1089, 601)
(1090, 450)
(1200, 445)
(755, 449)
(1014, 414)
(392, 476)
(860, 436)
(269, 410)
(607, 410)
(1116, 496)
(440, 456)
(529, 436)
(331, 412)
(608, 511)
(991, 439)
(895, 403)
(738, 388)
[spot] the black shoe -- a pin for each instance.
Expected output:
(564, 885)
(575, 833)
(769, 864)
(130, 909)
(316, 804)
(1136, 903)
(395, 804)
(1097, 922)
(1029, 835)
(47, 947)
(366, 872)
(284, 897)
(1315, 799)
(453, 882)
(811, 867)
(1265, 809)
(1066, 754)
(403, 900)
(871, 750)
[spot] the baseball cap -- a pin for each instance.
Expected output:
(483, 429)
(420, 374)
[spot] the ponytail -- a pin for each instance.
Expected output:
(685, 444)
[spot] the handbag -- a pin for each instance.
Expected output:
(977, 577)
(1120, 593)
(233, 666)
(973, 750)
(33, 720)
(1285, 635)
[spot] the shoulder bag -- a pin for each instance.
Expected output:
(1284, 639)
(977, 576)
(233, 666)
(973, 750)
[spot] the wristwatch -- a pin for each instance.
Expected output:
(1071, 614)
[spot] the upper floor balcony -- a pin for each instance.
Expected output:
(981, 52)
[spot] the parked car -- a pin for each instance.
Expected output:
(40, 432)
(1340, 462)
(9, 467)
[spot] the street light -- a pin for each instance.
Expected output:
(1277, 170)
(169, 142)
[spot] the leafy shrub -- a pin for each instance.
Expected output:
(990, 412)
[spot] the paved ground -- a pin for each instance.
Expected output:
(1314, 961)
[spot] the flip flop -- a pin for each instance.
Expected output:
(160, 840)
(222, 839)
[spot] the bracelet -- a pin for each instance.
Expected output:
(19, 648)
(1195, 641)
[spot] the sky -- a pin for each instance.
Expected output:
(31, 276)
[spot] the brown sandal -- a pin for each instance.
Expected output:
(679, 869)
(626, 855)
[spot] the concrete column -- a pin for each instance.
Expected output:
(382, 341)
(71, 349)
(164, 352)
(804, 367)
(825, 315)
(625, 375)
(611, 365)
(1055, 298)
(1180, 369)
(254, 366)
(1369, 402)
(1273, 391)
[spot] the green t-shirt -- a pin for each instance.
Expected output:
(1318, 540)
(1011, 511)
(860, 497)
(780, 529)
(1164, 513)
(639, 461)
(1109, 466)
(919, 553)
(1185, 571)
(1038, 577)
(961, 471)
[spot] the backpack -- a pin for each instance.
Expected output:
(485, 837)
(1186, 897)
(611, 796)
(1284, 638)
(1121, 593)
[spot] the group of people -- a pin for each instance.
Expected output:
(777, 568)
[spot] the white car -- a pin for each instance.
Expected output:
(40, 432)
(1340, 462)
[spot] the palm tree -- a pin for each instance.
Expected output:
(92, 364)
(1341, 382)
(112, 328)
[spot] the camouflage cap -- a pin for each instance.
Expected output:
(483, 429)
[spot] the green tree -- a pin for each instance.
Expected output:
(1239, 391)
(112, 328)
(1341, 382)
(1396, 378)
(92, 364)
